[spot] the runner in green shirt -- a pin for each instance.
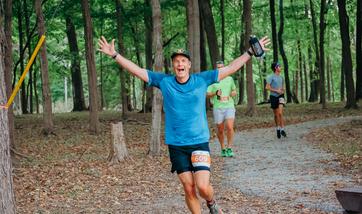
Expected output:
(221, 95)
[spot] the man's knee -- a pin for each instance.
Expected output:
(204, 188)
(190, 190)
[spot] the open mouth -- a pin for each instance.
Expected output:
(181, 69)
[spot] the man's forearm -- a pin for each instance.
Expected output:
(234, 66)
(132, 67)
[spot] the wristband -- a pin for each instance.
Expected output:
(115, 55)
(249, 52)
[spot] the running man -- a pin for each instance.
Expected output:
(221, 95)
(186, 127)
(275, 84)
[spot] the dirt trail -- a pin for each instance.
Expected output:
(288, 171)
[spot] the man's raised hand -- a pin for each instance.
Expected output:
(105, 47)
(264, 42)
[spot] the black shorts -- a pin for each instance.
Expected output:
(181, 157)
(276, 101)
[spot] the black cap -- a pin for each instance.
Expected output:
(182, 52)
(274, 65)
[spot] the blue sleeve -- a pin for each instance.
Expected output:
(210, 77)
(155, 78)
(269, 79)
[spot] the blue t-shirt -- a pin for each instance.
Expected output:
(276, 82)
(184, 106)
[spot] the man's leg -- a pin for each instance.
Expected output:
(277, 121)
(220, 134)
(188, 183)
(230, 136)
(202, 179)
(281, 121)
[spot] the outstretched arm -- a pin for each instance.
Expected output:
(108, 49)
(241, 60)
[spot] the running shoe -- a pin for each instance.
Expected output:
(283, 133)
(214, 208)
(278, 134)
(230, 152)
(224, 153)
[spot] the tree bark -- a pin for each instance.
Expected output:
(209, 26)
(8, 46)
(118, 149)
(193, 33)
(121, 51)
(274, 30)
(7, 198)
(251, 109)
(282, 52)
(315, 72)
(346, 54)
(155, 138)
(91, 67)
(147, 107)
(77, 82)
(24, 101)
(30, 73)
(322, 27)
(359, 51)
(222, 8)
(47, 99)
(241, 79)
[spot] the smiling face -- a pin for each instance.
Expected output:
(181, 66)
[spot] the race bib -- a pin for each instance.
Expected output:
(200, 158)
(281, 100)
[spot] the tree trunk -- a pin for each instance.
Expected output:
(222, 8)
(346, 54)
(314, 97)
(47, 99)
(274, 30)
(305, 78)
(118, 149)
(30, 75)
(265, 92)
(282, 52)
(147, 107)
(122, 52)
(359, 50)
(193, 33)
(209, 26)
(300, 72)
(7, 198)
(322, 27)
(24, 108)
(155, 138)
(241, 79)
(91, 67)
(343, 82)
(251, 109)
(329, 74)
(77, 82)
(8, 65)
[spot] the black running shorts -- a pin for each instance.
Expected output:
(276, 101)
(189, 158)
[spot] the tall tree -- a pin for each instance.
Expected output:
(282, 52)
(148, 91)
(91, 67)
(346, 54)
(209, 25)
(155, 143)
(322, 28)
(7, 199)
(47, 99)
(222, 14)
(274, 30)
(8, 65)
(314, 83)
(76, 74)
(24, 101)
(193, 33)
(359, 50)
(30, 75)
(121, 51)
(241, 79)
(251, 109)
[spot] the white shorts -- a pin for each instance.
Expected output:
(221, 114)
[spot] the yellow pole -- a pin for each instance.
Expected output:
(31, 60)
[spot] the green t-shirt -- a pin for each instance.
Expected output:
(226, 86)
